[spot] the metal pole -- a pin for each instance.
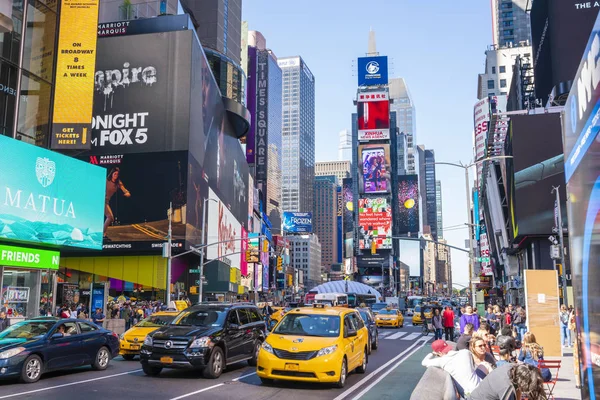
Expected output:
(203, 241)
(562, 249)
(168, 294)
(470, 219)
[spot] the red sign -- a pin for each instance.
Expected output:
(373, 116)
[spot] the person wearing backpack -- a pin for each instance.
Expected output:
(565, 333)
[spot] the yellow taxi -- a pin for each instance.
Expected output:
(389, 317)
(131, 341)
(416, 319)
(319, 344)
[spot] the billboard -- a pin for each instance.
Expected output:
(373, 110)
(253, 246)
(481, 120)
(375, 223)
(372, 71)
(340, 224)
(261, 116)
(376, 168)
(243, 249)
(296, 222)
(248, 278)
(225, 229)
(49, 198)
(74, 75)
(407, 215)
(348, 199)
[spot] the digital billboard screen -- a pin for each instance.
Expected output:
(372, 71)
(407, 215)
(297, 222)
(375, 223)
(373, 110)
(376, 168)
(50, 198)
(253, 247)
(224, 229)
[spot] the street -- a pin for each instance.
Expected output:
(125, 379)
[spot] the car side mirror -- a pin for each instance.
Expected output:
(350, 333)
(57, 335)
(234, 327)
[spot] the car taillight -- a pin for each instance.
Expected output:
(115, 335)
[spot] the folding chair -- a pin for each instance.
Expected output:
(554, 367)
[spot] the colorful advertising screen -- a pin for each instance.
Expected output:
(375, 223)
(407, 215)
(376, 168)
(50, 198)
(296, 222)
(372, 71)
(243, 249)
(373, 116)
(225, 229)
(253, 246)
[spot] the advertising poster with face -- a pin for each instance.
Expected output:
(376, 168)
(223, 229)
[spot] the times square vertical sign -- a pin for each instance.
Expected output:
(262, 115)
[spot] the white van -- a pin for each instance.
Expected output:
(333, 299)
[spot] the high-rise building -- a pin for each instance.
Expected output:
(429, 272)
(443, 268)
(339, 169)
(305, 256)
(427, 189)
(345, 147)
(498, 75)
(406, 123)
(438, 207)
(510, 22)
(298, 135)
(325, 218)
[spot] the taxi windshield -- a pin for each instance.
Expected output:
(27, 329)
(155, 321)
(309, 325)
(390, 312)
(201, 317)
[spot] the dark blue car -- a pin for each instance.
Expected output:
(31, 348)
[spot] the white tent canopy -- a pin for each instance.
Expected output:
(340, 287)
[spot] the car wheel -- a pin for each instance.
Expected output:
(151, 371)
(266, 381)
(254, 360)
(128, 357)
(343, 374)
(214, 369)
(402, 326)
(32, 369)
(376, 344)
(102, 359)
(363, 367)
(370, 344)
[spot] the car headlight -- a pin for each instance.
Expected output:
(267, 347)
(201, 342)
(122, 336)
(148, 341)
(11, 353)
(325, 351)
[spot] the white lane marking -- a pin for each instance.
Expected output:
(183, 396)
(383, 334)
(396, 335)
(243, 376)
(378, 370)
(68, 384)
(386, 373)
(412, 336)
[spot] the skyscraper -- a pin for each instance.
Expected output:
(510, 22)
(340, 169)
(406, 122)
(427, 188)
(324, 218)
(305, 256)
(438, 206)
(345, 147)
(298, 135)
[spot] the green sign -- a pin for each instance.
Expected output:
(30, 258)
(194, 271)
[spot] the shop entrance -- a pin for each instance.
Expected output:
(26, 293)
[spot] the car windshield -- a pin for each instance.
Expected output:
(309, 325)
(27, 330)
(201, 317)
(156, 321)
(390, 312)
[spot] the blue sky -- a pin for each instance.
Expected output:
(436, 46)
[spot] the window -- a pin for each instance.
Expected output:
(493, 70)
(85, 327)
(502, 83)
(233, 318)
(243, 315)
(490, 84)
(502, 69)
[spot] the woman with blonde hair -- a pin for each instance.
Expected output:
(478, 348)
(531, 352)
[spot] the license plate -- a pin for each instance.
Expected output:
(291, 367)
(135, 347)
(166, 360)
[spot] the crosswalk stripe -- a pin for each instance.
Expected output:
(412, 336)
(397, 335)
(384, 334)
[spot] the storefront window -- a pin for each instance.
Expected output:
(10, 41)
(38, 54)
(20, 293)
(46, 293)
(8, 97)
(34, 110)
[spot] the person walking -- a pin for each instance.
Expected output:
(448, 317)
(469, 317)
(565, 333)
(438, 324)
(127, 315)
(491, 318)
(520, 322)
(98, 317)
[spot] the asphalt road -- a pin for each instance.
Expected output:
(125, 379)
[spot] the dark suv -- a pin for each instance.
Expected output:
(207, 337)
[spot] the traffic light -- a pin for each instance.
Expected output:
(290, 280)
(373, 248)
(560, 267)
(279, 263)
(265, 247)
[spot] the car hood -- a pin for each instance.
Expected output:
(140, 333)
(6, 344)
(184, 331)
(300, 343)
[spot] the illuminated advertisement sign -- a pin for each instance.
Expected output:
(407, 216)
(373, 110)
(375, 223)
(481, 120)
(49, 198)
(376, 168)
(224, 229)
(253, 246)
(74, 78)
(372, 71)
(295, 222)
(340, 224)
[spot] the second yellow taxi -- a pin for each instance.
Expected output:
(131, 341)
(390, 317)
(417, 319)
(319, 344)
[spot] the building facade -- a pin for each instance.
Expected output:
(510, 22)
(325, 218)
(339, 169)
(298, 172)
(305, 257)
(406, 124)
(438, 207)
(498, 75)
(443, 268)
(428, 258)
(427, 188)
(345, 146)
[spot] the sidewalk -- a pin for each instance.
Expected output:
(565, 387)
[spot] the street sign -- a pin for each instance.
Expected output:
(194, 271)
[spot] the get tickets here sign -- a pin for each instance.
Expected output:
(75, 68)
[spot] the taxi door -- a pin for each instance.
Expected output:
(350, 342)
(362, 337)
